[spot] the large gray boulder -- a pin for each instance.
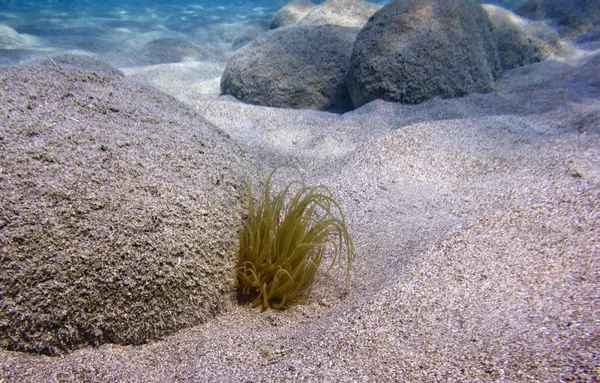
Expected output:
(291, 13)
(413, 50)
(522, 41)
(119, 212)
(347, 13)
(299, 66)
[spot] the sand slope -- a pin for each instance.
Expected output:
(476, 222)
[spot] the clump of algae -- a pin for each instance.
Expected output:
(283, 241)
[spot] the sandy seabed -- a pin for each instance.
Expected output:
(477, 227)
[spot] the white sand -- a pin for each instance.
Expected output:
(477, 226)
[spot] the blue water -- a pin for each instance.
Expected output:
(33, 16)
(53, 17)
(103, 27)
(47, 27)
(61, 17)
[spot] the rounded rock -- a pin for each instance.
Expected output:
(414, 50)
(119, 212)
(300, 66)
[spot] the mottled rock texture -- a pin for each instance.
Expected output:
(300, 66)
(118, 222)
(414, 50)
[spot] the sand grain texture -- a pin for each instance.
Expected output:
(476, 222)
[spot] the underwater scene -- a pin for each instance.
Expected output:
(34, 28)
(299, 191)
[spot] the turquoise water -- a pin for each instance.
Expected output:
(116, 29)
(99, 27)
(60, 17)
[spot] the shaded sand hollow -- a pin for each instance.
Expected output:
(476, 222)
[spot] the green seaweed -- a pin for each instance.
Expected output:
(283, 241)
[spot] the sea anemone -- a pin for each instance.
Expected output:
(283, 241)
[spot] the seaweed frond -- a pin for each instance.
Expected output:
(283, 241)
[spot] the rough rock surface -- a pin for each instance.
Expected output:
(414, 50)
(521, 41)
(346, 13)
(300, 66)
(118, 222)
(291, 13)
